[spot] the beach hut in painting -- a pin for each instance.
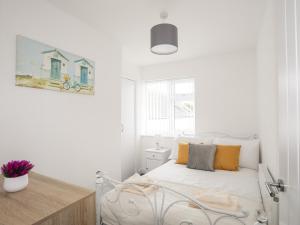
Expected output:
(55, 65)
(84, 72)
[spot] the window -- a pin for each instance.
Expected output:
(169, 107)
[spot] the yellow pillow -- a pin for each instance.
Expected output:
(227, 157)
(183, 153)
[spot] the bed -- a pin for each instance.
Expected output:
(169, 197)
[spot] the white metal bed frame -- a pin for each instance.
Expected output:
(160, 207)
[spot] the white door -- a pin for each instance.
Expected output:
(289, 113)
(128, 127)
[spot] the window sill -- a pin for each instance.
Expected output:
(162, 136)
(153, 136)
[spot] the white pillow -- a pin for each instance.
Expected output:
(192, 140)
(249, 155)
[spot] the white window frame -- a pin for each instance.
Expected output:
(144, 112)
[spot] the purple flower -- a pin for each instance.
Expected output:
(16, 168)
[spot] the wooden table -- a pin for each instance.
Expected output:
(47, 201)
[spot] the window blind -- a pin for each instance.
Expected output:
(169, 107)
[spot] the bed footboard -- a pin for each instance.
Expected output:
(159, 206)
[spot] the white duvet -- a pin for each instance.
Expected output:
(134, 209)
(243, 182)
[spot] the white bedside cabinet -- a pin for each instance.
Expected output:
(156, 157)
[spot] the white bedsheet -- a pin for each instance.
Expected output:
(243, 183)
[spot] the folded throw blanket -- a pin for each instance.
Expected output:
(139, 185)
(218, 200)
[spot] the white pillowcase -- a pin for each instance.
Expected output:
(249, 155)
(192, 140)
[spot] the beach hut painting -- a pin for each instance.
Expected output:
(42, 66)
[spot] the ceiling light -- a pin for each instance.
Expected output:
(164, 37)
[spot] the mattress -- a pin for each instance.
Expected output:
(127, 208)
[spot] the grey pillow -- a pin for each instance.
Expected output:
(201, 157)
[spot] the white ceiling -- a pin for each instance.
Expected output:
(205, 26)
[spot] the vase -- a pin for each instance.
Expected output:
(15, 184)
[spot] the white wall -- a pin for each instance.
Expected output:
(267, 89)
(67, 136)
(226, 91)
(130, 70)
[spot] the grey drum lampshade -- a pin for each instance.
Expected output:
(164, 39)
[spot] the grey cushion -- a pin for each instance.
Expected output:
(201, 157)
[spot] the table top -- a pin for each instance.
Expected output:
(161, 150)
(43, 197)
